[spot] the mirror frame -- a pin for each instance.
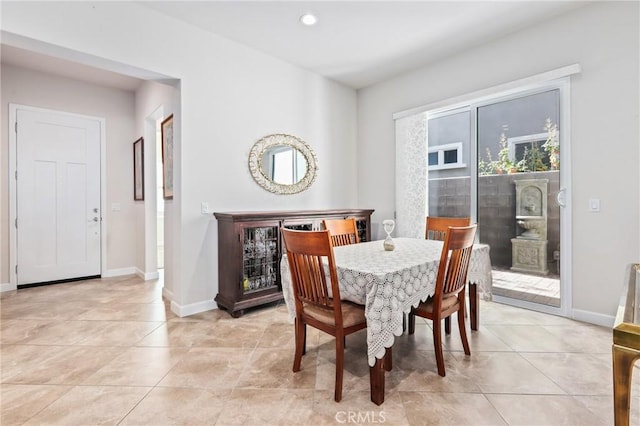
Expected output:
(255, 163)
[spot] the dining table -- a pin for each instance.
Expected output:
(388, 284)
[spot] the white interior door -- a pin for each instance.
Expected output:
(58, 196)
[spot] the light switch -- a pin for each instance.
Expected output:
(115, 207)
(204, 207)
(594, 204)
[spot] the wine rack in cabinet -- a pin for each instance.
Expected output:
(250, 250)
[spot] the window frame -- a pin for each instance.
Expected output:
(525, 139)
(440, 149)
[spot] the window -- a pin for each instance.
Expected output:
(447, 156)
(518, 145)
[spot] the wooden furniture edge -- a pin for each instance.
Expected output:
(625, 350)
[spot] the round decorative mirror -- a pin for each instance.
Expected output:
(283, 164)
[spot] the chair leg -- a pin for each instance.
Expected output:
(473, 305)
(304, 340)
(300, 336)
(447, 325)
(412, 323)
(463, 332)
(437, 344)
(339, 367)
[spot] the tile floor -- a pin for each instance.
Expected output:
(110, 352)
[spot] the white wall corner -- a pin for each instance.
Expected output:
(7, 287)
(147, 275)
(167, 294)
(119, 272)
(193, 308)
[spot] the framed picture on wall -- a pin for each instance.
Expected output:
(167, 158)
(138, 170)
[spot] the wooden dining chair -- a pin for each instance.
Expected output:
(437, 226)
(306, 251)
(343, 231)
(449, 293)
(437, 230)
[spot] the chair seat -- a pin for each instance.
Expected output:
(427, 307)
(352, 314)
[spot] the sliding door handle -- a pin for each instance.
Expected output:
(562, 197)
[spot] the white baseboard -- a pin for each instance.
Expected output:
(119, 272)
(147, 275)
(167, 294)
(576, 314)
(186, 310)
(132, 270)
(7, 287)
(194, 308)
(593, 318)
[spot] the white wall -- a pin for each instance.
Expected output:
(154, 102)
(32, 88)
(230, 97)
(604, 39)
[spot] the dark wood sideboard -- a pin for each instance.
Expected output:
(250, 249)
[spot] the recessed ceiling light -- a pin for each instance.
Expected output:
(308, 19)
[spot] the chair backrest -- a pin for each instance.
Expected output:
(437, 226)
(454, 261)
(343, 231)
(306, 251)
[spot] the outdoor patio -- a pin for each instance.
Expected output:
(532, 288)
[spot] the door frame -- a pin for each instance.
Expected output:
(151, 270)
(562, 84)
(13, 194)
(558, 79)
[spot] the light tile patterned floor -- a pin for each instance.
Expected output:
(110, 352)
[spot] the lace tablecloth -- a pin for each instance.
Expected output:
(389, 283)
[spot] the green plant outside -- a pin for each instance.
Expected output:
(533, 160)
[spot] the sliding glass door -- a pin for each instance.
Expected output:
(518, 185)
(497, 160)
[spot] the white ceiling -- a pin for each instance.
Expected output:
(31, 60)
(362, 42)
(357, 43)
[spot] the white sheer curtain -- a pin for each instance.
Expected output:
(411, 175)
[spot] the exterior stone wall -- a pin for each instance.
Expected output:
(497, 210)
